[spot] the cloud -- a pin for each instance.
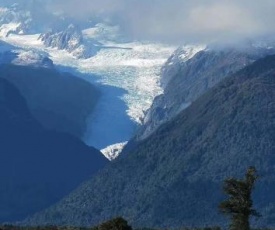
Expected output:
(222, 21)
(180, 20)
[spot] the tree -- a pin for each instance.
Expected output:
(115, 224)
(239, 205)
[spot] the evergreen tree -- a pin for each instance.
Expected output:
(239, 205)
(115, 224)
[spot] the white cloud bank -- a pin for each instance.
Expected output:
(180, 20)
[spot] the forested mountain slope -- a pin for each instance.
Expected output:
(38, 167)
(57, 100)
(174, 178)
(184, 81)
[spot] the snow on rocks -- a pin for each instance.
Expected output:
(112, 152)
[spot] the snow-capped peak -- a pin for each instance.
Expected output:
(71, 40)
(180, 55)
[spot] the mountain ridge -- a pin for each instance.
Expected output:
(71, 40)
(174, 177)
(39, 166)
(60, 101)
(185, 80)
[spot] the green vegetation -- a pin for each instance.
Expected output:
(186, 82)
(173, 178)
(38, 166)
(59, 101)
(115, 224)
(239, 204)
(11, 227)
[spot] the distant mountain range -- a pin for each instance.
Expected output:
(174, 177)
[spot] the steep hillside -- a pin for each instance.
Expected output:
(58, 101)
(174, 177)
(184, 80)
(38, 167)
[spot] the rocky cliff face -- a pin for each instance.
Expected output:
(68, 39)
(71, 39)
(185, 79)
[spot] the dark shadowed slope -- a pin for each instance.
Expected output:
(185, 81)
(174, 177)
(38, 167)
(58, 101)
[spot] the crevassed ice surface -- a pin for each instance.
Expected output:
(127, 74)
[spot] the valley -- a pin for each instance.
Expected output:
(137, 115)
(127, 74)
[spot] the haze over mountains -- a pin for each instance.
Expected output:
(179, 99)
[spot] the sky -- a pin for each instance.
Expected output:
(179, 20)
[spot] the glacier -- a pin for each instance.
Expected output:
(126, 72)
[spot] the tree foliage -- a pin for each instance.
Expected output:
(115, 224)
(239, 205)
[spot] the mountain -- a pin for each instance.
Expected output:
(38, 167)
(25, 57)
(174, 177)
(21, 17)
(94, 48)
(29, 17)
(184, 79)
(30, 58)
(59, 101)
(71, 40)
(13, 20)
